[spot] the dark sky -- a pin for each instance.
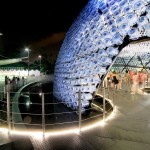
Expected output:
(23, 22)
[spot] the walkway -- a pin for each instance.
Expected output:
(128, 130)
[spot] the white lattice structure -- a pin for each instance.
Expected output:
(92, 44)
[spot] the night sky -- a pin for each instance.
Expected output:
(25, 22)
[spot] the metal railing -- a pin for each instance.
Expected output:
(45, 120)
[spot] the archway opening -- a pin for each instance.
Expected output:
(133, 59)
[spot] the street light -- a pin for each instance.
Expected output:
(1, 41)
(40, 57)
(28, 50)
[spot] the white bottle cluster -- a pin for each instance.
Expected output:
(93, 41)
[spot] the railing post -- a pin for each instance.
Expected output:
(108, 90)
(1, 92)
(80, 108)
(113, 97)
(102, 86)
(104, 103)
(103, 83)
(43, 114)
(8, 112)
(5, 91)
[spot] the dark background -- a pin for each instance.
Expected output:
(24, 22)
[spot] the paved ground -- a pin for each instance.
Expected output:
(128, 130)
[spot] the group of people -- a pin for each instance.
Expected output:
(135, 80)
(13, 84)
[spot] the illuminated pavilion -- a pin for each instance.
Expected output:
(93, 43)
(103, 32)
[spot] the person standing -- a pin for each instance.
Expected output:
(115, 80)
(143, 78)
(135, 83)
(120, 80)
(127, 78)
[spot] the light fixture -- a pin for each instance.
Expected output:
(28, 50)
(40, 57)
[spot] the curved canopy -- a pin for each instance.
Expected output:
(11, 61)
(93, 43)
(134, 56)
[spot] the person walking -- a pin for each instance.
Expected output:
(127, 78)
(115, 80)
(143, 78)
(135, 83)
(120, 80)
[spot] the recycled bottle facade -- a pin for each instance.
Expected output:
(93, 41)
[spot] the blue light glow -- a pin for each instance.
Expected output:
(92, 43)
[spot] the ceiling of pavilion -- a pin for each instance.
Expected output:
(131, 57)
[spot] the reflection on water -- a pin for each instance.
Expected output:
(30, 105)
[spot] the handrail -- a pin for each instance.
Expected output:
(16, 119)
